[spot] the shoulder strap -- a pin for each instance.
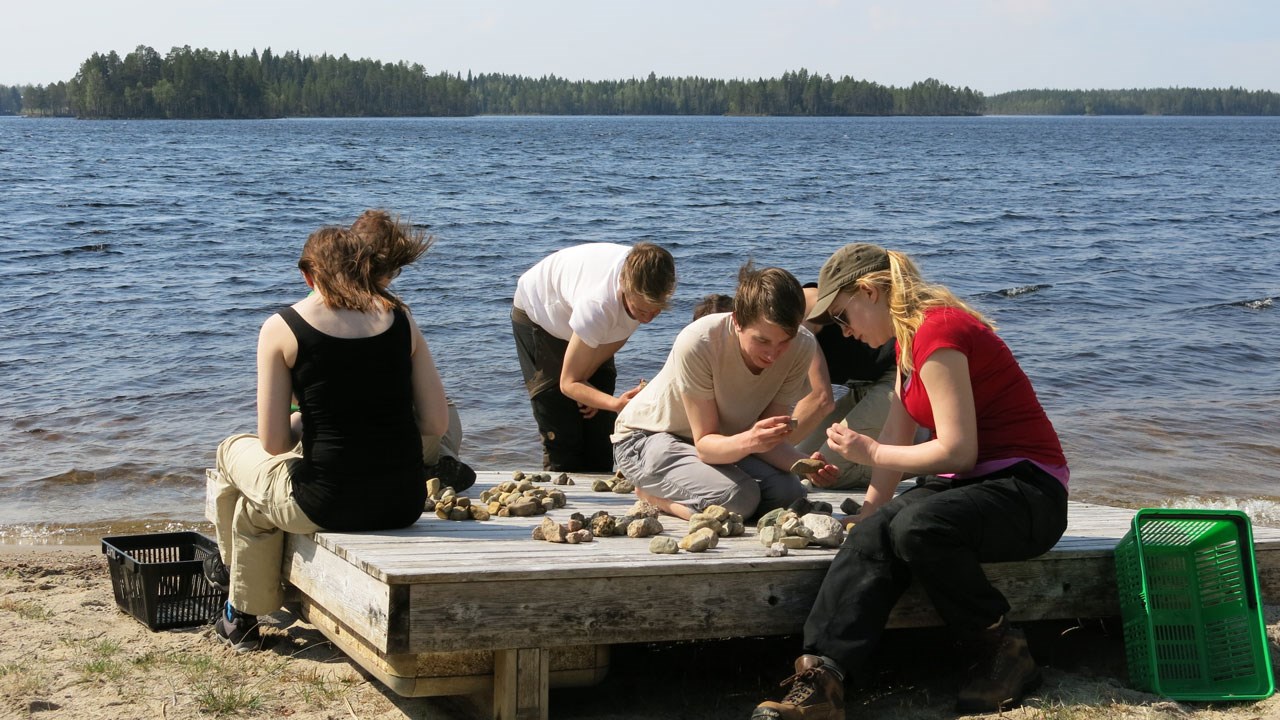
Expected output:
(295, 322)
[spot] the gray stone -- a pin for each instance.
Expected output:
(794, 542)
(663, 545)
(770, 518)
(701, 520)
(826, 530)
(770, 534)
(644, 527)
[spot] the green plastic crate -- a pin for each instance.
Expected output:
(1193, 627)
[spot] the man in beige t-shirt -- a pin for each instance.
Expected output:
(712, 427)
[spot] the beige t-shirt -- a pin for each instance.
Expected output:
(706, 362)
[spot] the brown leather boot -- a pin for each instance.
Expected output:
(1002, 671)
(817, 693)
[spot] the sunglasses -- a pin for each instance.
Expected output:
(838, 317)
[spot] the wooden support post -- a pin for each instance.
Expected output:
(521, 678)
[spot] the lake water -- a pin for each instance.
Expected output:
(1130, 262)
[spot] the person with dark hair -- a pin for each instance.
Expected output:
(710, 429)
(571, 314)
(396, 241)
(991, 486)
(711, 304)
(367, 388)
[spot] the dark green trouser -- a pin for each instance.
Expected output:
(570, 442)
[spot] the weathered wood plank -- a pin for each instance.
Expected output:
(463, 672)
(347, 592)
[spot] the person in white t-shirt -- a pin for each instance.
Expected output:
(571, 314)
(712, 427)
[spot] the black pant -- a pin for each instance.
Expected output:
(937, 532)
(570, 442)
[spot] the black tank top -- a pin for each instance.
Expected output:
(362, 454)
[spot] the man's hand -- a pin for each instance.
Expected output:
(766, 434)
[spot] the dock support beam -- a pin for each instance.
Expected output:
(521, 679)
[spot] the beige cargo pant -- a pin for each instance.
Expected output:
(255, 507)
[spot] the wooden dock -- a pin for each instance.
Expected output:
(444, 608)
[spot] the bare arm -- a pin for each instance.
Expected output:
(430, 408)
(581, 362)
(819, 403)
(277, 348)
(899, 429)
(955, 449)
(716, 449)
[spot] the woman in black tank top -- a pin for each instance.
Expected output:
(367, 389)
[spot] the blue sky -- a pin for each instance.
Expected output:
(988, 45)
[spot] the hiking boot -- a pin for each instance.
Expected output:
(817, 693)
(1002, 671)
(452, 472)
(216, 572)
(238, 630)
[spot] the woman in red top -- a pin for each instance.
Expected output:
(990, 486)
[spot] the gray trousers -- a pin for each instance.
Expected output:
(667, 466)
(436, 446)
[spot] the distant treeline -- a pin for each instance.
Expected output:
(204, 83)
(1156, 101)
(190, 83)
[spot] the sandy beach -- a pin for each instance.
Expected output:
(69, 652)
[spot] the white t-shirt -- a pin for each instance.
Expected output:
(577, 290)
(706, 362)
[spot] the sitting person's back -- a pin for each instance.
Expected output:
(366, 386)
(361, 452)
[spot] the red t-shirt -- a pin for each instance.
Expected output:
(1011, 422)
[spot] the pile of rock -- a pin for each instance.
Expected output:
(521, 499)
(572, 532)
(561, 479)
(705, 530)
(448, 505)
(641, 521)
(785, 529)
(618, 483)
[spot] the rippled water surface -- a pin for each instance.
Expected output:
(1130, 262)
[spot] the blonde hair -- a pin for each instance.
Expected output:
(909, 296)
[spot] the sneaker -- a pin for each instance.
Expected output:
(452, 472)
(1002, 671)
(238, 630)
(216, 572)
(817, 693)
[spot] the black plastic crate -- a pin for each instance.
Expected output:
(159, 578)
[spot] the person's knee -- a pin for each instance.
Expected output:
(918, 534)
(741, 499)
(870, 538)
(225, 457)
(782, 494)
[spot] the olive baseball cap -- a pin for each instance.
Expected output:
(847, 264)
